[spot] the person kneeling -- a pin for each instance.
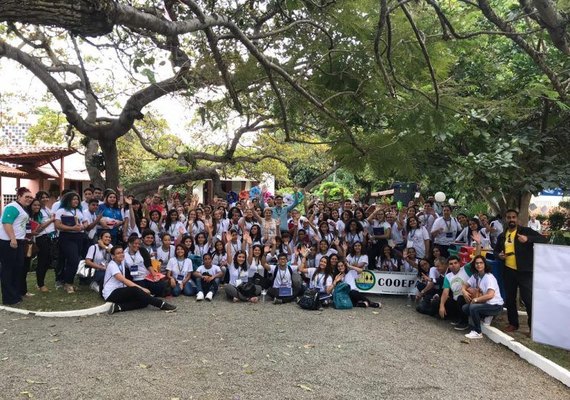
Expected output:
(482, 294)
(124, 293)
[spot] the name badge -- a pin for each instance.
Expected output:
(285, 291)
(179, 277)
(134, 269)
(449, 234)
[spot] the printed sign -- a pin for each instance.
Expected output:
(379, 282)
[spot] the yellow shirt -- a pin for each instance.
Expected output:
(510, 260)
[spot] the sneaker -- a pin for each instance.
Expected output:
(455, 323)
(167, 307)
(375, 305)
(487, 321)
(461, 327)
(114, 308)
(209, 296)
(474, 335)
(200, 296)
(277, 301)
(94, 286)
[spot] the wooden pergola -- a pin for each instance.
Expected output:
(22, 162)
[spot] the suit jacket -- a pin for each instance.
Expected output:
(524, 252)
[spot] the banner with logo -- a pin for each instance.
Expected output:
(550, 304)
(379, 282)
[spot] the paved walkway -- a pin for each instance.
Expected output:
(221, 350)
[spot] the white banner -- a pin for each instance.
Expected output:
(550, 298)
(378, 282)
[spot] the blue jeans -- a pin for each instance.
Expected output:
(190, 289)
(480, 310)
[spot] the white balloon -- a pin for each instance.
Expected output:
(440, 197)
(451, 202)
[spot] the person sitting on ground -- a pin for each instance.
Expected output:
(208, 278)
(388, 260)
(482, 294)
(122, 292)
(165, 252)
(451, 305)
(287, 284)
(179, 272)
(410, 262)
(240, 288)
(349, 273)
(320, 278)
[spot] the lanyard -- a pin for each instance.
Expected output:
(282, 276)
(180, 266)
(448, 224)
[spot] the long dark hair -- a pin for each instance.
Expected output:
(243, 266)
(168, 221)
(358, 225)
(34, 216)
(66, 201)
(328, 270)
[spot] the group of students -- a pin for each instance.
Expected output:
(140, 252)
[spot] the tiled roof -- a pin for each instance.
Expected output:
(12, 172)
(33, 155)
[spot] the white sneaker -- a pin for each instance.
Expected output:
(487, 321)
(474, 335)
(200, 296)
(94, 286)
(209, 296)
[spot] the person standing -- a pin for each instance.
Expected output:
(12, 245)
(534, 224)
(445, 230)
(515, 247)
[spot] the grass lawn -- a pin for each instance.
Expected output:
(559, 356)
(58, 300)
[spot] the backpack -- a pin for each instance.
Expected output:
(341, 297)
(310, 300)
(247, 289)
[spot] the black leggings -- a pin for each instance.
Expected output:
(132, 298)
(356, 296)
(45, 250)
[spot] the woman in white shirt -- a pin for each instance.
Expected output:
(165, 252)
(69, 221)
(320, 278)
(98, 257)
(123, 293)
(356, 257)
(349, 274)
(417, 237)
(238, 289)
(179, 271)
(12, 245)
(44, 240)
(173, 226)
(482, 294)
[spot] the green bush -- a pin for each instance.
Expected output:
(557, 219)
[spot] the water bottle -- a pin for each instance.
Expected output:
(263, 295)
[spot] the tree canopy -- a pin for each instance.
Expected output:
(465, 94)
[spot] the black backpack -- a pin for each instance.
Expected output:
(310, 300)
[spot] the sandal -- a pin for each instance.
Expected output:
(254, 300)
(43, 289)
(69, 289)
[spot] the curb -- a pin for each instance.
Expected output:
(103, 308)
(549, 367)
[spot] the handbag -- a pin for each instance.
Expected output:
(247, 289)
(83, 271)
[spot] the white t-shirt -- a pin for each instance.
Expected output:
(90, 218)
(535, 226)
(176, 229)
(320, 255)
(317, 281)
(396, 234)
(487, 282)
(350, 279)
(455, 282)
(179, 268)
(219, 259)
(111, 283)
(283, 277)
(416, 239)
(238, 275)
(164, 256)
(75, 213)
(201, 249)
(433, 274)
(98, 255)
(407, 267)
(352, 238)
(20, 219)
(135, 264)
(449, 230)
(46, 215)
(357, 260)
(213, 270)
(377, 225)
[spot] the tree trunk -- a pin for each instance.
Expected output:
(90, 150)
(518, 200)
(85, 17)
(111, 155)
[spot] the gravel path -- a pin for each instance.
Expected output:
(221, 350)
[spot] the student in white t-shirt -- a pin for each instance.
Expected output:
(98, 257)
(320, 278)
(417, 237)
(287, 283)
(482, 294)
(239, 288)
(179, 271)
(356, 257)
(349, 274)
(444, 230)
(207, 278)
(165, 252)
(123, 293)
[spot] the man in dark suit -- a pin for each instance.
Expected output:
(515, 247)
